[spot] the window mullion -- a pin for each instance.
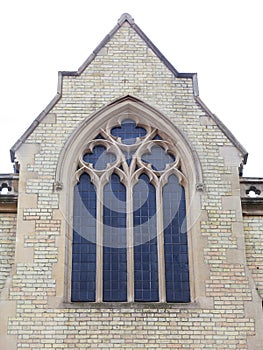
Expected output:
(160, 243)
(99, 244)
(130, 242)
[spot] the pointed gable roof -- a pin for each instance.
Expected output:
(128, 18)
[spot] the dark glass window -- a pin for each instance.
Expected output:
(114, 241)
(107, 198)
(145, 241)
(99, 157)
(128, 132)
(158, 158)
(175, 242)
(84, 241)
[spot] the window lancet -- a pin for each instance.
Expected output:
(129, 218)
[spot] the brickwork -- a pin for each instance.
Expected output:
(219, 315)
(131, 328)
(7, 245)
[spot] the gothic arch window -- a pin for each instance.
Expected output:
(129, 238)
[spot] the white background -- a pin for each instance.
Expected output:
(220, 40)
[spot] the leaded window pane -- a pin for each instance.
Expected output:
(145, 241)
(84, 241)
(99, 157)
(175, 242)
(128, 132)
(114, 241)
(158, 158)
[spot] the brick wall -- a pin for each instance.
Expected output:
(7, 245)
(131, 328)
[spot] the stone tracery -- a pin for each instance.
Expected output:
(130, 165)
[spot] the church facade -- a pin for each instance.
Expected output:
(127, 223)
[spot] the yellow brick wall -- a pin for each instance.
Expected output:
(7, 246)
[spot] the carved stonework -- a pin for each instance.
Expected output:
(8, 184)
(130, 158)
(58, 186)
(8, 193)
(200, 187)
(252, 195)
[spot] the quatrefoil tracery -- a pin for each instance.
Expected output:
(129, 149)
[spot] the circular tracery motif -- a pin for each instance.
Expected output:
(129, 148)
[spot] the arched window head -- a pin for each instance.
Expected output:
(129, 216)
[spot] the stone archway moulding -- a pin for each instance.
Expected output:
(88, 129)
(128, 105)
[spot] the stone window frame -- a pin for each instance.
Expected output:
(129, 177)
(189, 164)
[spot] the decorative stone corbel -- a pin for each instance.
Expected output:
(57, 186)
(200, 187)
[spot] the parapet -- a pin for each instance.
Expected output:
(251, 189)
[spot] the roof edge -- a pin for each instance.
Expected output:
(125, 17)
(32, 127)
(224, 129)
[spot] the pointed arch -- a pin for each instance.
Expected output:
(116, 111)
(160, 130)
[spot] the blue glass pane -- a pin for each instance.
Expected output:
(158, 158)
(114, 208)
(144, 207)
(145, 241)
(175, 242)
(114, 274)
(99, 157)
(114, 241)
(84, 241)
(128, 132)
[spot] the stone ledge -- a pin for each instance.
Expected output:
(252, 206)
(129, 305)
(8, 203)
